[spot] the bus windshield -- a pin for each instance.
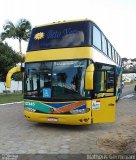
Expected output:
(55, 80)
(60, 36)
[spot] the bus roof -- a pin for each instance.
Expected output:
(62, 22)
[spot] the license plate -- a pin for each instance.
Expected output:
(52, 119)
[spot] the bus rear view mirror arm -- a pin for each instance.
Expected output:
(89, 77)
(10, 73)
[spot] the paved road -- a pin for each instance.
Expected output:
(19, 136)
(128, 90)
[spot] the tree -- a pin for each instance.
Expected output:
(134, 59)
(8, 59)
(124, 59)
(20, 31)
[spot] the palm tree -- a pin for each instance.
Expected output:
(20, 31)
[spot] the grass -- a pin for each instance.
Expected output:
(129, 83)
(8, 98)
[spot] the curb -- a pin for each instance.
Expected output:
(4, 104)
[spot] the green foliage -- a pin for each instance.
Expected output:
(18, 76)
(134, 59)
(8, 59)
(124, 59)
(129, 71)
(20, 31)
(130, 83)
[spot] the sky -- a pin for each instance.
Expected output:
(116, 18)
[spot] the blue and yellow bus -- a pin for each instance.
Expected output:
(72, 74)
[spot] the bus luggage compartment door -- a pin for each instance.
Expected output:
(103, 109)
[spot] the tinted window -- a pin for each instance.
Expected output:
(116, 57)
(37, 76)
(104, 80)
(96, 38)
(113, 53)
(104, 44)
(60, 36)
(68, 79)
(58, 80)
(109, 50)
(120, 61)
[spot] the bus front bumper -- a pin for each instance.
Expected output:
(76, 119)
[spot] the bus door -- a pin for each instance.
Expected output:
(104, 100)
(31, 84)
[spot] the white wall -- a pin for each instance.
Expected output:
(15, 86)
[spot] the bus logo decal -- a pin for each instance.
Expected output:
(69, 107)
(96, 105)
(39, 35)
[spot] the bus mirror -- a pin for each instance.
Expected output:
(10, 73)
(89, 77)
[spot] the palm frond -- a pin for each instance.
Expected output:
(9, 31)
(23, 29)
(20, 31)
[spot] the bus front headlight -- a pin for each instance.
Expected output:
(80, 111)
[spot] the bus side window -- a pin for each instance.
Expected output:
(104, 82)
(96, 38)
(113, 58)
(100, 84)
(115, 53)
(104, 44)
(109, 49)
(118, 59)
(120, 62)
(110, 80)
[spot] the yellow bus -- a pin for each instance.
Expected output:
(72, 74)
